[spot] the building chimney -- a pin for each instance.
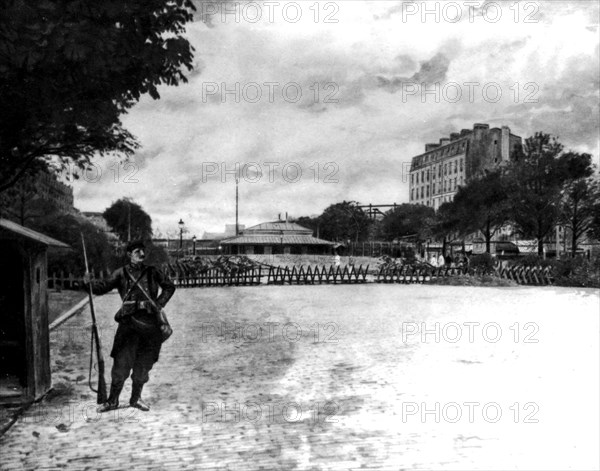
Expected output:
(429, 147)
(454, 136)
(480, 130)
(444, 141)
(505, 143)
(464, 132)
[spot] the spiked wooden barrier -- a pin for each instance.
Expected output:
(216, 277)
(528, 275)
(316, 275)
(410, 274)
(536, 276)
(183, 277)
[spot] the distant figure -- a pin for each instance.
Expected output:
(336, 259)
(433, 260)
(441, 261)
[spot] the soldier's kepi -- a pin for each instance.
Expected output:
(143, 325)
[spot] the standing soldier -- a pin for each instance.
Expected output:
(143, 325)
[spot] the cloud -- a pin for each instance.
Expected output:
(352, 125)
(430, 71)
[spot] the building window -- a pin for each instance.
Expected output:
(461, 165)
(427, 191)
(422, 192)
(445, 169)
(412, 192)
(422, 176)
(455, 166)
(412, 179)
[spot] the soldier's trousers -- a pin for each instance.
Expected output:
(134, 351)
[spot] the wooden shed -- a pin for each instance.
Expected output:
(24, 333)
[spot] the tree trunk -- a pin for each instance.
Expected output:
(487, 237)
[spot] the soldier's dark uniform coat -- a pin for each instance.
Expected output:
(132, 349)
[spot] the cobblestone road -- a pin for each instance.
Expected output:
(336, 378)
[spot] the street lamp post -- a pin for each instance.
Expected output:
(194, 246)
(181, 224)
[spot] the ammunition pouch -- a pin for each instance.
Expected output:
(129, 308)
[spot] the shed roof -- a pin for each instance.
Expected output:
(266, 239)
(13, 228)
(277, 227)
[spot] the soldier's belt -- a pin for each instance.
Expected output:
(139, 305)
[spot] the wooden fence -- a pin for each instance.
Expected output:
(62, 281)
(316, 275)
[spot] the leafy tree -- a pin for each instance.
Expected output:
(408, 219)
(343, 221)
(578, 207)
(68, 229)
(310, 223)
(447, 224)
(536, 177)
(128, 220)
(23, 202)
(482, 205)
(594, 230)
(579, 195)
(69, 69)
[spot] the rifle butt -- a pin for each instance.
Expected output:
(101, 396)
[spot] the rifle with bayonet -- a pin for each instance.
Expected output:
(101, 390)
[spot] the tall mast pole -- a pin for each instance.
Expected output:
(128, 221)
(237, 231)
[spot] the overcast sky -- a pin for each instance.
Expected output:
(362, 113)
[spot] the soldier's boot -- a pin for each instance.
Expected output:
(113, 399)
(136, 398)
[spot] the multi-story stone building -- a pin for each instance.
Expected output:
(50, 188)
(436, 174)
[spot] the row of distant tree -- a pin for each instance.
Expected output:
(542, 186)
(127, 220)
